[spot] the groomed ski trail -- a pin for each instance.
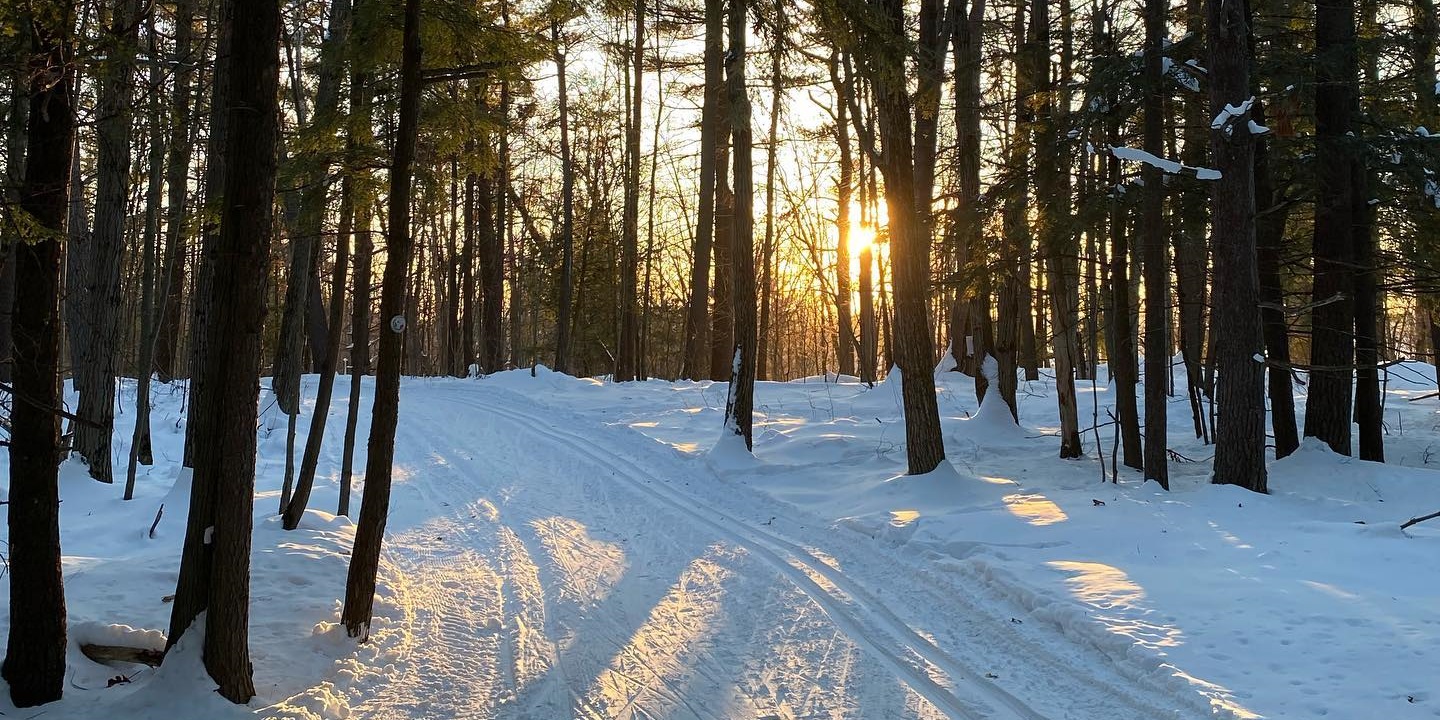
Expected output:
(539, 573)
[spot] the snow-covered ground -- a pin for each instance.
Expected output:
(561, 547)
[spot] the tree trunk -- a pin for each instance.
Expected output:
(492, 277)
(844, 191)
(215, 563)
(1239, 336)
(627, 353)
(1369, 312)
(1012, 315)
(740, 401)
(697, 358)
(320, 415)
(868, 336)
(34, 663)
(1152, 246)
(467, 270)
(360, 297)
(767, 249)
(201, 309)
(1123, 371)
(140, 450)
(370, 530)
(98, 350)
(1190, 241)
(1052, 227)
(912, 349)
(970, 314)
(1332, 321)
(177, 172)
(722, 313)
(567, 216)
(1272, 214)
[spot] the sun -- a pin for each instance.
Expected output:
(861, 237)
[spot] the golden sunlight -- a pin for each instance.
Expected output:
(861, 237)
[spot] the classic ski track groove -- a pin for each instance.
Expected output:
(796, 565)
(491, 547)
(802, 567)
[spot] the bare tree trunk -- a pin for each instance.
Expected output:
(360, 297)
(1368, 302)
(1189, 237)
(913, 347)
(467, 269)
(567, 216)
(844, 191)
(34, 663)
(1332, 320)
(201, 309)
(1240, 431)
(370, 530)
(1152, 247)
(492, 277)
(215, 564)
(1272, 214)
(1123, 370)
(970, 314)
(740, 401)
(140, 451)
(697, 358)
(722, 314)
(627, 354)
(1055, 237)
(98, 350)
(868, 336)
(767, 248)
(177, 181)
(311, 459)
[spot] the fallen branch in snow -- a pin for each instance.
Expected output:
(1426, 396)
(156, 524)
(122, 653)
(1422, 518)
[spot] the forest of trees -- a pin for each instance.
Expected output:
(1236, 197)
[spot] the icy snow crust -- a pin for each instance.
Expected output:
(561, 547)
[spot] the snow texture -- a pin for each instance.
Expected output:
(570, 547)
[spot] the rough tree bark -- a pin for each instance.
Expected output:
(913, 352)
(1152, 247)
(370, 530)
(1239, 337)
(567, 213)
(214, 190)
(970, 313)
(844, 192)
(1272, 213)
(98, 335)
(627, 361)
(740, 401)
(34, 663)
(321, 414)
(177, 169)
(1189, 238)
(1055, 239)
(722, 311)
(1332, 319)
(215, 563)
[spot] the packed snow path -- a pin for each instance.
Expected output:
(536, 571)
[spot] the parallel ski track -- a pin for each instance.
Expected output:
(867, 620)
(854, 610)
